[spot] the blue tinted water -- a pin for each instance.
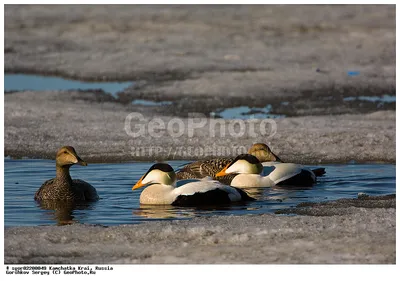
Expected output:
(382, 99)
(120, 205)
(245, 112)
(21, 82)
(150, 103)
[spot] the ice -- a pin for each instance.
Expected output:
(353, 235)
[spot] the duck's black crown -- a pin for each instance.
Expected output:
(248, 157)
(162, 167)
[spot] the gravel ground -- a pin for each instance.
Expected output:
(295, 58)
(38, 123)
(208, 57)
(348, 233)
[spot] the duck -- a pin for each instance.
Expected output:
(268, 159)
(210, 167)
(247, 171)
(162, 189)
(63, 187)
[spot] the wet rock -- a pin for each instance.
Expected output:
(341, 206)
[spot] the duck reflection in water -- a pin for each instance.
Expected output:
(162, 212)
(176, 212)
(63, 212)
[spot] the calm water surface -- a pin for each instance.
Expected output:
(22, 82)
(245, 112)
(120, 205)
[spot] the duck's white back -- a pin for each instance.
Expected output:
(204, 185)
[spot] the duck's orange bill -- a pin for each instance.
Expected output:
(139, 184)
(222, 172)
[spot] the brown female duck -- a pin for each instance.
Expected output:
(209, 168)
(63, 187)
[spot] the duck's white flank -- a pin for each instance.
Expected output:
(279, 172)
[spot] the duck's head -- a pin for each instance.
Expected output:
(158, 173)
(263, 153)
(66, 156)
(243, 164)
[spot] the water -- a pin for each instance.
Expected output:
(151, 103)
(19, 82)
(381, 99)
(120, 205)
(245, 112)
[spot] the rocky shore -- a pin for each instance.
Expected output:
(344, 232)
(311, 63)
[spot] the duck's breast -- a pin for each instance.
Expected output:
(251, 180)
(157, 194)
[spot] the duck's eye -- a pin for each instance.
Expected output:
(65, 152)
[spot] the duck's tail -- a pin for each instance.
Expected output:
(319, 172)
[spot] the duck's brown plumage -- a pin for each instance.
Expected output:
(203, 168)
(63, 187)
(210, 167)
(206, 168)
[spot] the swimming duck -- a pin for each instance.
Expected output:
(62, 187)
(247, 171)
(211, 167)
(208, 168)
(162, 190)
